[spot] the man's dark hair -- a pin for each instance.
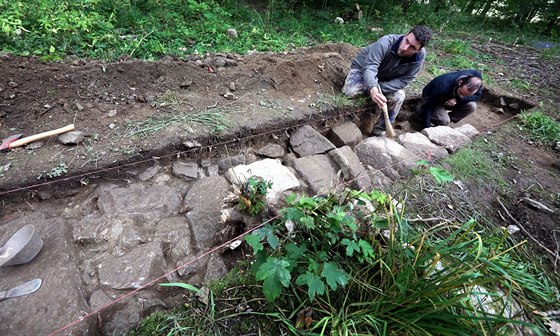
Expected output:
(423, 34)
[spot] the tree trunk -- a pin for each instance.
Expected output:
(486, 8)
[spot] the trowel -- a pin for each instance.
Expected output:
(23, 289)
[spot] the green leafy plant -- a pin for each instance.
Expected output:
(440, 175)
(57, 171)
(252, 200)
(305, 249)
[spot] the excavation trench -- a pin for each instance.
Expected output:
(109, 232)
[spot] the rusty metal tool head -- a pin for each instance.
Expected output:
(6, 142)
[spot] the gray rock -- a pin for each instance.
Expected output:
(192, 264)
(215, 270)
(93, 228)
(422, 146)
(352, 169)
(175, 234)
(447, 137)
(140, 202)
(132, 236)
(270, 170)
(204, 203)
(232, 161)
(387, 156)
(98, 299)
(307, 141)
(232, 33)
(468, 130)
(188, 170)
(271, 150)
(149, 173)
(289, 159)
(345, 134)
(71, 138)
(129, 312)
(319, 173)
(212, 170)
(134, 269)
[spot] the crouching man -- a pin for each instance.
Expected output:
(384, 68)
(449, 98)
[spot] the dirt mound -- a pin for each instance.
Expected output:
(132, 110)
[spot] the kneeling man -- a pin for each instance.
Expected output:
(450, 98)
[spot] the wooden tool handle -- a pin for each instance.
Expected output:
(31, 138)
(388, 127)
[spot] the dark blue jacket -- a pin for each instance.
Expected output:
(442, 88)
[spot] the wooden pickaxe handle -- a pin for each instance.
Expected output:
(31, 138)
(388, 127)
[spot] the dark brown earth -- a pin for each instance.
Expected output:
(112, 102)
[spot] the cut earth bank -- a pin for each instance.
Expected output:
(115, 232)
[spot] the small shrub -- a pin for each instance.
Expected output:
(252, 199)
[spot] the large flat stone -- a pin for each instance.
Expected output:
(386, 156)
(270, 170)
(134, 269)
(422, 146)
(204, 204)
(140, 201)
(352, 169)
(308, 141)
(345, 134)
(447, 137)
(319, 173)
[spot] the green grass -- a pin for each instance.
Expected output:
(520, 84)
(551, 53)
(214, 121)
(541, 127)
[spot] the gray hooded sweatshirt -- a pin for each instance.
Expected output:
(381, 65)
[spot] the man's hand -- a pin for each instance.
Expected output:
(377, 97)
(451, 102)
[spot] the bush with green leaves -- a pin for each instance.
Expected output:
(365, 269)
(310, 246)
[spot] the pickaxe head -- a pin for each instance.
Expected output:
(6, 142)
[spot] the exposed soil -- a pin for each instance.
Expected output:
(111, 102)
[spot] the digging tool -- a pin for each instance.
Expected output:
(23, 289)
(22, 247)
(388, 127)
(13, 142)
